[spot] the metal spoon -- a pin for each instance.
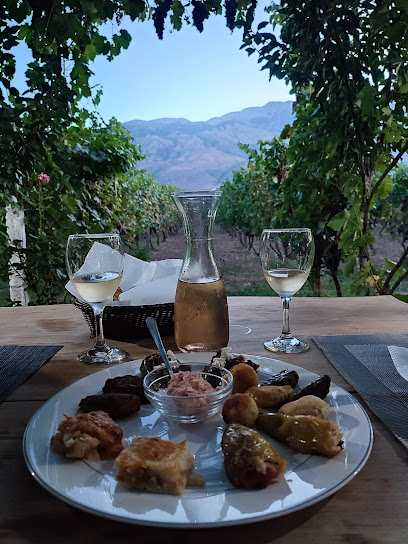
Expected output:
(154, 331)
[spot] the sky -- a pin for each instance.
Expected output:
(187, 74)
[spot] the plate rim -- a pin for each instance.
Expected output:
(254, 518)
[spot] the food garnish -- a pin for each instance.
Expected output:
(150, 362)
(227, 359)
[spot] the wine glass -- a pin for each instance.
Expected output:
(286, 257)
(95, 267)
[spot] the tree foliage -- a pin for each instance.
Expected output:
(91, 166)
(347, 62)
(91, 185)
(251, 199)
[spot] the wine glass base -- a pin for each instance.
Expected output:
(286, 345)
(107, 356)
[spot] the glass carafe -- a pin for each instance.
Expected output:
(201, 310)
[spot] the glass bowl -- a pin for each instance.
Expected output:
(188, 409)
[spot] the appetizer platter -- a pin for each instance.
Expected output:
(219, 492)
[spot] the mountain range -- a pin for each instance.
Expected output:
(200, 155)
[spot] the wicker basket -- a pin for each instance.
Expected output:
(127, 323)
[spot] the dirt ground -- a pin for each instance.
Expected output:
(240, 266)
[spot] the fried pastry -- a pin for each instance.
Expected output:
(91, 436)
(240, 408)
(306, 406)
(244, 377)
(270, 396)
(250, 461)
(306, 434)
(155, 465)
(116, 405)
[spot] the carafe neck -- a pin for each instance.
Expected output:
(198, 211)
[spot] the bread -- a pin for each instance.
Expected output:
(91, 436)
(155, 465)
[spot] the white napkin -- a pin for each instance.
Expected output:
(149, 283)
(142, 283)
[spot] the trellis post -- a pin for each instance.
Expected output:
(17, 236)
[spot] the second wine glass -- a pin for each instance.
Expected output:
(286, 257)
(95, 267)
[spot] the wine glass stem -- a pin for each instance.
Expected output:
(285, 328)
(100, 339)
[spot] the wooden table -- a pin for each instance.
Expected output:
(372, 508)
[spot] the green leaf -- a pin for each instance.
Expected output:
(339, 221)
(366, 100)
(350, 266)
(177, 9)
(331, 143)
(389, 264)
(365, 240)
(90, 51)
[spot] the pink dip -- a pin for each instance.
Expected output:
(188, 384)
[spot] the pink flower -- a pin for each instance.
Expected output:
(44, 178)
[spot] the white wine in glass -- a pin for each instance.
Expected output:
(95, 267)
(286, 258)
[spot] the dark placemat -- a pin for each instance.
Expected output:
(17, 363)
(365, 362)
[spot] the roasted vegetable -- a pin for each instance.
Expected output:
(320, 388)
(116, 405)
(306, 434)
(214, 375)
(285, 377)
(150, 362)
(251, 462)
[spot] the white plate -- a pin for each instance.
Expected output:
(92, 486)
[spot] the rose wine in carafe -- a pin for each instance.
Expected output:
(200, 310)
(201, 316)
